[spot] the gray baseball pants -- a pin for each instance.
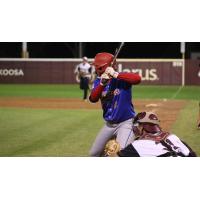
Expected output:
(122, 131)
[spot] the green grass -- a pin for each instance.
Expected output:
(47, 132)
(186, 126)
(73, 91)
(41, 91)
(166, 92)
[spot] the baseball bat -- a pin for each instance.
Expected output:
(117, 52)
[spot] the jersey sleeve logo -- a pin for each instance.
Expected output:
(110, 93)
(116, 92)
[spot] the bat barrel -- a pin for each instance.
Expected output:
(117, 52)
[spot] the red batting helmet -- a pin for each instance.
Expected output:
(102, 61)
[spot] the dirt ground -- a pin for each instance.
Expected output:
(167, 110)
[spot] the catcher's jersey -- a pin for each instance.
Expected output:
(116, 100)
(149, 148)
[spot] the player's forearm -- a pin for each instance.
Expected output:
(191, 152)
(96, 93)
(131, 78)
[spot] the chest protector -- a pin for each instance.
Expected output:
(157, 137)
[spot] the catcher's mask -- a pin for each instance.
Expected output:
(147, 121)
(102, 61)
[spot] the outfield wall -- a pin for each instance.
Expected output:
(61, 71)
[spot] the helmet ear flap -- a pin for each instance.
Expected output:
(100, 69)
(136, 131)
(102, 61)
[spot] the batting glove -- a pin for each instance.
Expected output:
(111, 72)
(104, 79)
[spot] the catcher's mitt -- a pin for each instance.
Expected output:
(111, 148)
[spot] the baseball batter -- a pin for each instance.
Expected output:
(115, 92)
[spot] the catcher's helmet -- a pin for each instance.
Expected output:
(146, 117)
(102, 61)
(148, 120)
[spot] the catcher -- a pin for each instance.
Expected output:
(151, 141)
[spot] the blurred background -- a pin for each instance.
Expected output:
(80, 49)
(42, 112)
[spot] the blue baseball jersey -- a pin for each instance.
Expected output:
(116, 100)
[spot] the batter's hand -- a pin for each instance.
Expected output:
(104, 79)
(111, 72)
